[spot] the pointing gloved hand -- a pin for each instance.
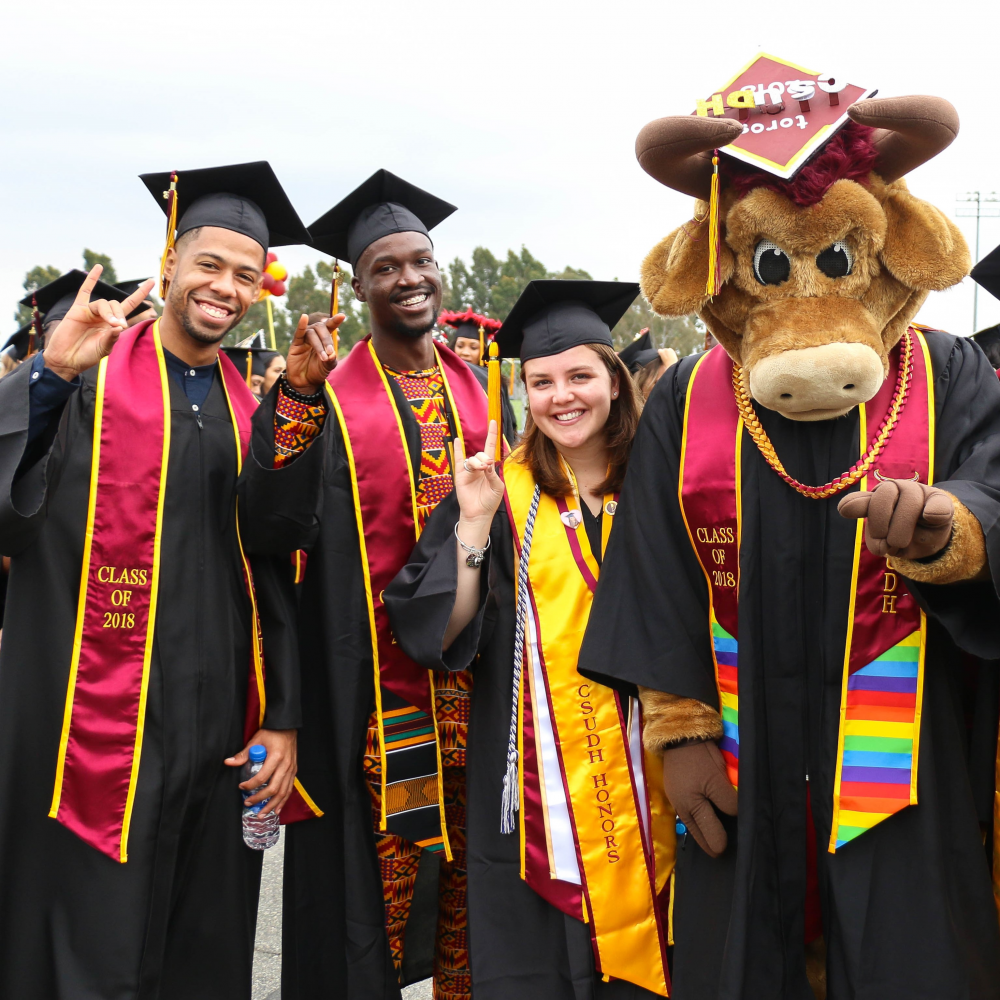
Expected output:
(904, 518)
(696, 783)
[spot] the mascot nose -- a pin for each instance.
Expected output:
(817, 383)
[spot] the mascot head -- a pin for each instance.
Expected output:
(818, 273)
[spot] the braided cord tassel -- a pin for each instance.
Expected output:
(511, 798)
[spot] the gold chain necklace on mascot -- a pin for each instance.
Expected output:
(863, 464)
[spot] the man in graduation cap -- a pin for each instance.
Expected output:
(383, 741)
(142, 652)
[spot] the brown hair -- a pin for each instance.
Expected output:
(538, 454)
(646, 376)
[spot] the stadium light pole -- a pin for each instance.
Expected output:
(975, 204)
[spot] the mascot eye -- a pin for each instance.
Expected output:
(770, 263)
(836, 261)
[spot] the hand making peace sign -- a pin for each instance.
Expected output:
(89, 330)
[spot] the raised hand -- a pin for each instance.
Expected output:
(903, 518)
(89, 330)
(478, 487)
(312, 355)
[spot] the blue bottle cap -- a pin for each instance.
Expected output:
(258, 753)
(680, 828)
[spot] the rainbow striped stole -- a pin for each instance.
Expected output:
(725, 649)
(878, 740)
(876, 769)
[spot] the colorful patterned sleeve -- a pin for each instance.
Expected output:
(295, 425)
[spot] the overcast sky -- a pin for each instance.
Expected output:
(522, 114)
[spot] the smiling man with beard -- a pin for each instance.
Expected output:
(375, 890)
(133, 675)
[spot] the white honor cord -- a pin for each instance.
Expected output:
(511, 797)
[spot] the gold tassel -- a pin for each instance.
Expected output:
(35, 337)
(171, 197)
(335, 303)
(493, 395)
(482, 345)
(249, 369)
(714, 285)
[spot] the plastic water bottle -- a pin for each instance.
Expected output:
(259, 832)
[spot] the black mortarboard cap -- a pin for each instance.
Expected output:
(17, 343)
(128, 287)
(642, 359)
(630, 353)
(989, 341)
(383, 205)
(246, 198)
(56, 298)
(261, 355)
(554, 314)
(987, 273)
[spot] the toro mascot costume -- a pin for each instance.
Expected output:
(802, 577)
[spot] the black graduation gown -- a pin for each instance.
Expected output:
(907, 907)
(334, 940)
(519, 944)
(178, 919)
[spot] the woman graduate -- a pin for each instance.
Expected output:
(563, 876)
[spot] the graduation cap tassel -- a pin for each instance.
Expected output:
(493, 383)
(482, 345)
(511, 803)
(714, 285)
(35, 337)
(171, 198)
(335, 302)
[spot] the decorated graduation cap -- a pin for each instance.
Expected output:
(383, 205)
(640, 352)
(53, 301)
(553, 315)
(245, 198)
(471, 326)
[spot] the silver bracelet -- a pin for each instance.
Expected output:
(475, 557)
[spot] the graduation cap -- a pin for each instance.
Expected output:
(252, 355)
(128, 287)
(383, 205)
(553, 315)
(245, 198)
(788, 112)
(18, 343)
(987, 274)
(641, 346)
(54, 300)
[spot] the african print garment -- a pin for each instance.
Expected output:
(407, 727)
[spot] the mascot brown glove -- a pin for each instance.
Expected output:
(695, 779)
(904, 518)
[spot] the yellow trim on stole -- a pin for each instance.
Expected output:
(368, 592)
(859, 534)
(88, 540)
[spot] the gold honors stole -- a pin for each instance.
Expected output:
(879, 735)
(590, 813)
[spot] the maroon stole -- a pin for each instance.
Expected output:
(879, 735)
(101, 742)
(384, 486)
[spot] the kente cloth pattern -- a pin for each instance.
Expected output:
(398, 863)
(295, 425)
(425, 392)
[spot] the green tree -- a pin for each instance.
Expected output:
(91, 258)
(35, 278)
(256, 319)
(685, 334)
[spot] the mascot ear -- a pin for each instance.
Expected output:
(923, 247)
(675, 271)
